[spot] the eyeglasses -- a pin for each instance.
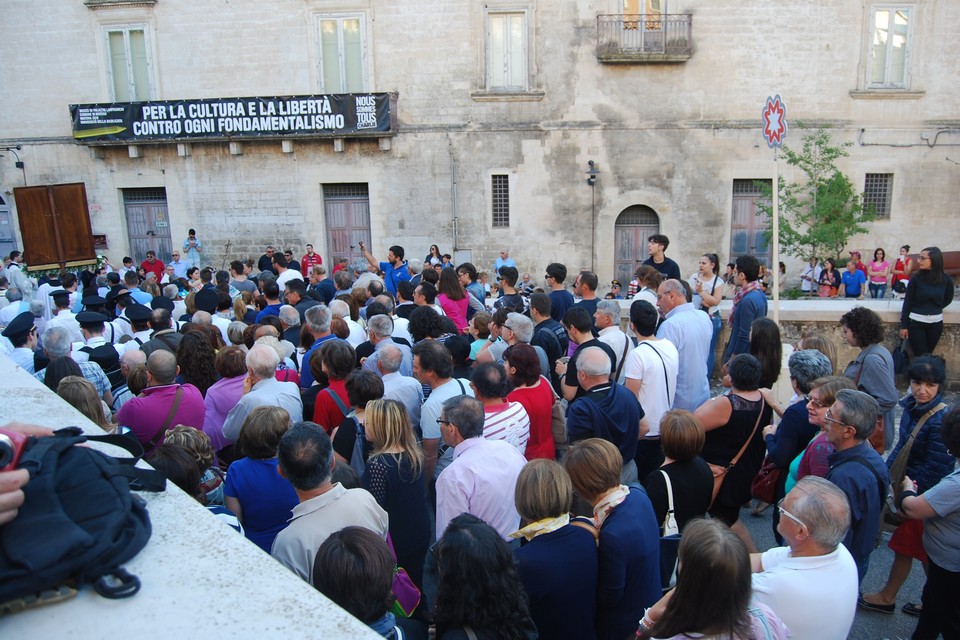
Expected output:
(176, 255)
(816, 403)
(829, 418)
(784, 512)
(441, 422)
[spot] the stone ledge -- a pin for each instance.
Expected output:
(191, 563)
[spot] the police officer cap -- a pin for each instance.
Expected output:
(161, 302)
(19, 326)
(91, 318)
(113, 294)
(138, 312)
(60, 295)
(206, 300)
(93, 301)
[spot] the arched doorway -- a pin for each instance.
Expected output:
(630, 232)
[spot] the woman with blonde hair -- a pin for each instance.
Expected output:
(394, 475)
(558, 560)
(82, 395)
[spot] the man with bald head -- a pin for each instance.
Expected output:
(130, 360)
(262, 389)
(396, 386)
(607, 410)
(163, 404)
(811, 584)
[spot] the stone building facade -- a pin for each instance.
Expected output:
(500, 106)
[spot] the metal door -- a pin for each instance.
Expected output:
(748, 224)
(8, 235)
(347, 211)
(634, 225)
(148, 223)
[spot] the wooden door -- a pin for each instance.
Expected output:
(347, 211)
(634, 225)
(55, 225)
(148, 223)
(748, 224)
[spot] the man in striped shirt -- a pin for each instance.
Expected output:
(502, 419)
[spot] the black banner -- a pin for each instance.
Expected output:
(333, 115)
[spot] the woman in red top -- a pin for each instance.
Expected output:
(533, 391)
(333, 403)
(901, 268)
(453, 299)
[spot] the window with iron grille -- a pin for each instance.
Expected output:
(345, 190)
(876, 194)
(501, 200)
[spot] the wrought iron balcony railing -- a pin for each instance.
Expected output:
(633, 38)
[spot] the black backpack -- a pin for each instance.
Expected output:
(109, 360)
(79, 520)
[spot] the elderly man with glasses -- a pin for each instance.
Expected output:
(857, 469)
(814, 572)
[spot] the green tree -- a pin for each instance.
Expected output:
(817, 216)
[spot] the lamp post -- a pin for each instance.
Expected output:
(592, 174)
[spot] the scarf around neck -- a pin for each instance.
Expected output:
(744, 290)
(603, 508)
(540, 527)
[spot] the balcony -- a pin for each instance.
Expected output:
(644, 38)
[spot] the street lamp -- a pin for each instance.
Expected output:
(592, 174)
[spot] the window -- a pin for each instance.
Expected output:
(130, 70)
(507, 51)
(889, 47)
(748, 229)
(876, 194)
(500, 209)
(343, 53)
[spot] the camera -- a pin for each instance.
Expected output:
(12, 444)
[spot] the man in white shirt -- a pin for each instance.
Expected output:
(482, 478)
(651, 373)
(396, 386)
(284, 273)
(811, 584)
(607, 321)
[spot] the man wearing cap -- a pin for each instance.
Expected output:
(62, 316)
(93, 329)
(44, 292)
(206, 300)
(858, 262)
(22, 334)
(139, 317)
(152, 265)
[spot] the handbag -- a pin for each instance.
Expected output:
(901, 359)
(405, 591)
(764, 485)
(898, 470)
(720, 471)
(669, 541)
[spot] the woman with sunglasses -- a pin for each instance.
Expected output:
(812, 461)
(930, 291)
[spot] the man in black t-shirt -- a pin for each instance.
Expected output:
(657, 246)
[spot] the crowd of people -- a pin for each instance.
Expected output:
(535, 469)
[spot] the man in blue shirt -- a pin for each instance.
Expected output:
(690, 331)
(853, 281)
(857, 469)
(749, 304)
(394, 269)
(317, 320)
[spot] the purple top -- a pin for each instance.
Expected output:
(146, 413)
(222, 396)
